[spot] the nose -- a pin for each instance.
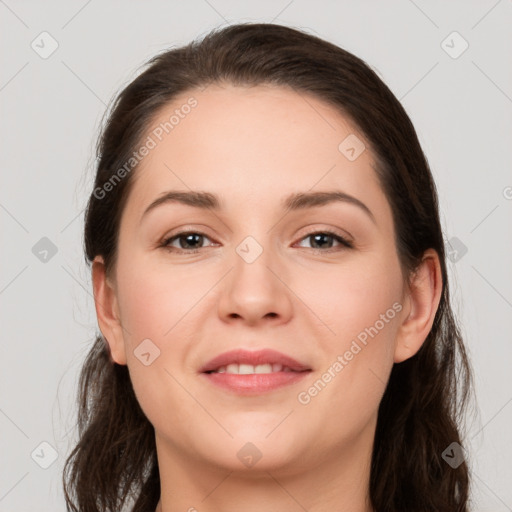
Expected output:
(256, 292)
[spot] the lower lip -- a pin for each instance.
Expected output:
(256, 383)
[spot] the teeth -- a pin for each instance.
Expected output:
(232, 368)
(249, 369)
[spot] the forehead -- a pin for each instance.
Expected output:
(252, 146)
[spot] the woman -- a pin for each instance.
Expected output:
(271, 288)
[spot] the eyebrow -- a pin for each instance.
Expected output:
(294, 202)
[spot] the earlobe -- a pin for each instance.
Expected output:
(107, 311)
(423, 299)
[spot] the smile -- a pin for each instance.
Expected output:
(249, 369)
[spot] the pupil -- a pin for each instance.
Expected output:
(320, 236)
(189, 240)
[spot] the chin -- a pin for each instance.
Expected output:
(255, 450)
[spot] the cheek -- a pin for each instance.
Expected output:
(159, 307)
(349, 298)
(157, 304)
(359, 307)
(156, 298)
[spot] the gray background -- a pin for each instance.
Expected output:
(461, 106)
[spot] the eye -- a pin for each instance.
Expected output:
(321, 239)
(187, 241)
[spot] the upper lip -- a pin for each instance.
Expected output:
(241, 356)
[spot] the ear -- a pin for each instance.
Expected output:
(107, 311)
(424, 295)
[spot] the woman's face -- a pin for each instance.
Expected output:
(258, 276)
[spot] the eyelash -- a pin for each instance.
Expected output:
(165, 243)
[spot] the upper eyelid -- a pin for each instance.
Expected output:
(187, 231)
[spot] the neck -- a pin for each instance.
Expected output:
(337, 481)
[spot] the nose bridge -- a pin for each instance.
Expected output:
(253, 290)
(255, 245)
(251, 265)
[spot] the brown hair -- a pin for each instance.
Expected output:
(421, 411)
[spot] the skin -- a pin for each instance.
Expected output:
(253, 147)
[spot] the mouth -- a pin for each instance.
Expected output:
(249, 369)
(251, 373)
